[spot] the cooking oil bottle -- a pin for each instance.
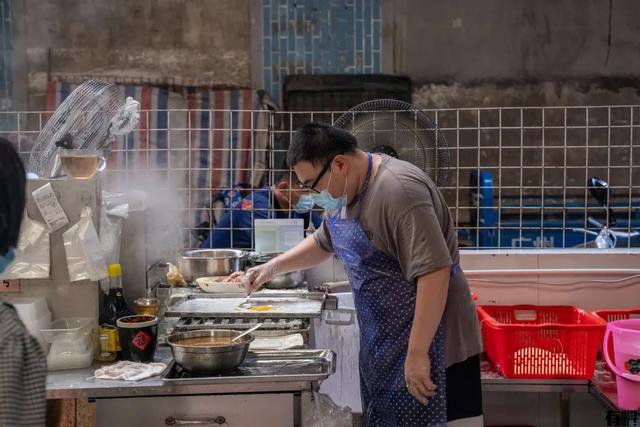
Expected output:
(113, 307)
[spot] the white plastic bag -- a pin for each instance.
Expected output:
(32, 259)
(323, 412)
(85, 257)
(136, 199)
(126, 118)
(111, 230)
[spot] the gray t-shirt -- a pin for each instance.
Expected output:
(407, 218)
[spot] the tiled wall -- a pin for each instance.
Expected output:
(5, 54)
(319, 37)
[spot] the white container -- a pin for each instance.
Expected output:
(338, 330)
(35, 328)
(71, 343)
(35, 315)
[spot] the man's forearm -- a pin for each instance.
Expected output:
(305, 254)
(431, 299)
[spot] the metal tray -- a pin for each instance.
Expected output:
(285, 306)
(265, 367)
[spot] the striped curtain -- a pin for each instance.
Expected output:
(208, 140)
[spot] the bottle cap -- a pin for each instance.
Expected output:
(115, 270)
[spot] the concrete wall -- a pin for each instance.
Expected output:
(458, 52)
(182, 42)
(499, 53)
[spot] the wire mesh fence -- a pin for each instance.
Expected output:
(517, 177)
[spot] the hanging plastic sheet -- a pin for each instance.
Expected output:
(85, 256)
(33, 259)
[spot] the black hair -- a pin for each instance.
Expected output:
(12, 195)
(317, 143)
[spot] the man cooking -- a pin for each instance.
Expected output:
(390, 226)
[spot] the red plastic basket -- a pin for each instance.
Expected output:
(610, 316)
(529, 341)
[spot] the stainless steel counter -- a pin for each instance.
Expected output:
(77, 383)
(80, 383)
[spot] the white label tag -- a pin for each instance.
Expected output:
(50, 207)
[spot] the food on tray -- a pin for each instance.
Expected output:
(219, 284)
(205, 341)
(260, 308)
(220, 279)
(214, 279)
(237, 279)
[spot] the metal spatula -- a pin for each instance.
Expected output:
(246, 303)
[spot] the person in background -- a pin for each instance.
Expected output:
(388, 223)
(23, 366)
(259, 204)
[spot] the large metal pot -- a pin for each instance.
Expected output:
(210, 359)
(210, 262)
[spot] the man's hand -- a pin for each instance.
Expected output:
(255, 277)
(417, 375)
(430, 301)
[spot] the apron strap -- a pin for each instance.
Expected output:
(455, 269)
(363, 190)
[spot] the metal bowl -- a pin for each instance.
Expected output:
(281, 281)
(212, 359)
(211, 262)
(285, 281)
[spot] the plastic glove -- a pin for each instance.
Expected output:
(255, 277)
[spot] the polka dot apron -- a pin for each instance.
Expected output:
(385, 304)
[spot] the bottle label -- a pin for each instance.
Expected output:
(113, 343)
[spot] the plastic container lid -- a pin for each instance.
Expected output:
(115, 270)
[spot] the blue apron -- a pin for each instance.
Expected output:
(385, 304)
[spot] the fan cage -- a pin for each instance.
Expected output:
(83, 119)
(517, 175)
(402, 130)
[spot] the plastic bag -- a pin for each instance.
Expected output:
(32, 259)
(126, 118)
(136, 199)
(323, 412)
(111, 230)
(85, 257)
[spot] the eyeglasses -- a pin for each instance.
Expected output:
(311, 187)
